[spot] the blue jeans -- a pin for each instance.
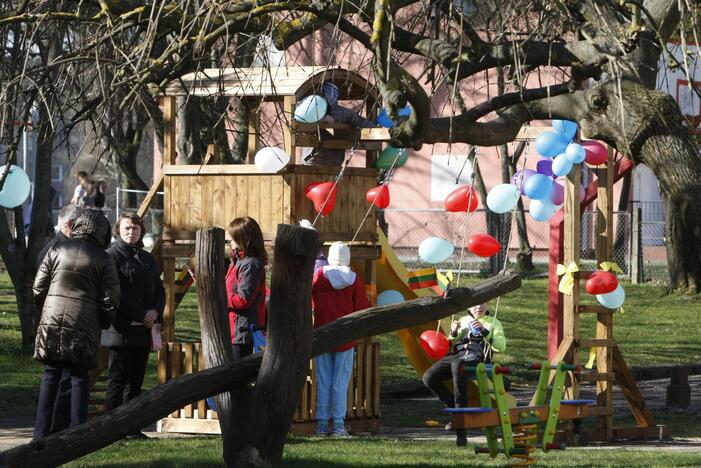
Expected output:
(333, 371)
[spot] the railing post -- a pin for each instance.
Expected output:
(636, 251)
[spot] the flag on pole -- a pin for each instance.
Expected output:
(425, 278)
(444, 280)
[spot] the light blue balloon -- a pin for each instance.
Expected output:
(614, 299)
(16, 188)
(311, 109)
(542, 210)
(503, 197)
(575, 153)
(435, 250)
(550, 144)
(538, 186)
(389, 297)
(566, 128)
(561, 165)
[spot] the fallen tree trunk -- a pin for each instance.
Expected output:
(159, 402)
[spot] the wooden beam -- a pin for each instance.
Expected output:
(571, 249)
(288, 133)
(629, 387)
(169, 311)
(153, 191)
(169, 130)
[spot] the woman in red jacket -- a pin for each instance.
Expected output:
(245, 283)
(336, 291)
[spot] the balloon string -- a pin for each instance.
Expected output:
(467, 218)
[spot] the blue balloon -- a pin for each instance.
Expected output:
(503, 197)
(561, 165)
(16, 188)
(311, 109)
(614, 299)
(383, 119)
(435, 250)
(575, 153)
(211, 403)
(538, 186)
(542, 210)
(389, 297)
(550, 144)
(566, 128)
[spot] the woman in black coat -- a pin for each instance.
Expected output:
(77, 290)
(141, 305)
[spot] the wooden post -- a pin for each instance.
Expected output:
(636, 247)
(288, 132)
(572, 246)
(253, 130)
(169, 311)
(169, 130)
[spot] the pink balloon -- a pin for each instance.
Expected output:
(595, 152)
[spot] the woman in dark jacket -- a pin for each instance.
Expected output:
(77, 290)
(142, 303)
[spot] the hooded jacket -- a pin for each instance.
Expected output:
(142, 289)
(245, 293)
(336, 292)
(77, 290)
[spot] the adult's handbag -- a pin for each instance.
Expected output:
(111, 337)
(156, 342)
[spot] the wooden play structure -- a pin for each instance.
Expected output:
(520, 427)
(200, 196)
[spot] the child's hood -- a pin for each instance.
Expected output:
(339, 276)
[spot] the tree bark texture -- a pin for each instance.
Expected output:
(159, 402)
(288, 349)
(214, 322)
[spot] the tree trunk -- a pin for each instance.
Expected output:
(288, 349)
(159, 402)
(624, 229)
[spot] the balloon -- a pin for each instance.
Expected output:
(483, 245)
(389, 297)
(435, 250)
(596, 153)
(601, 282)
(545, 167)
(271, 159)
(575, 153)
(211, 403)
(557, 194)
(379, 195)
(458, 199)
(389, 154)
(383, 119)
(542, 210)
(503, 197)
(566, 128)
(523, 175)
(16, 188)
(562, 165)
(538, 186)
(435, 344)
(319, 192)
(612, 300)
(550, 144)
(311, 109)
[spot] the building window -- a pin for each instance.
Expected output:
(56, 173)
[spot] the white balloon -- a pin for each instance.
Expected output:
(271, 159)
(16, 188)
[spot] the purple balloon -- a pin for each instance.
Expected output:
(545, 167)
(520, 183)
(557, 194)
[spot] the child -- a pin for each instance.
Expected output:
(336, 291)
(477, 336)
(245, 283)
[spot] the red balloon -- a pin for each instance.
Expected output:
(435, 344)
(379, 195)
(601, 282)
(318, 192)
(459, 198)
(483, 245)
(595, 152)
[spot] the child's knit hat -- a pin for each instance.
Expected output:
(339, 254)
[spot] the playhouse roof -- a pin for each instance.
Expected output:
(274, 83)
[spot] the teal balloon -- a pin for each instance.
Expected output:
(503, 197)
(16, 188)
(435, 250)
(389, 297)
(389, 154)
(311, 109)
(542, 210)
(575, 153)
(566, 128)
(550, 144)
(538, 186)
(562, 165)
(614, 299)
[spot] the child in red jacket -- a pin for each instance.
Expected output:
(336, 291)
